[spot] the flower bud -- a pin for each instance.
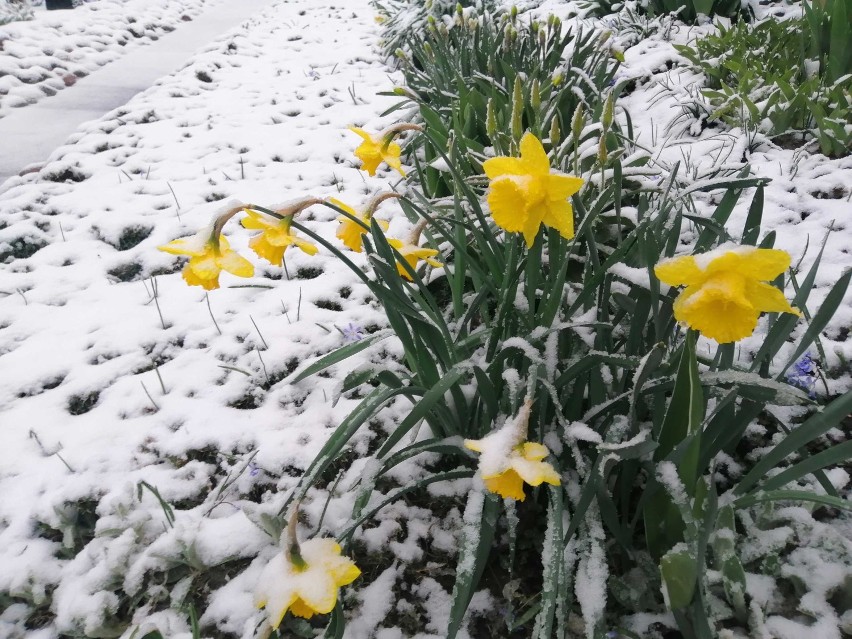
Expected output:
(517, 109)
(602, 152)
(609, 107)
(555, 133)
(490, 120)
(578, 123)
(535, 95)
(557, 78)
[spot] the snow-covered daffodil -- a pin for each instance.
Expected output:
(506, 461)
(412, 253)
(350, 232)
(524, 193)
(305, 584)
(275, 238)
(726, 289)
(209, 254)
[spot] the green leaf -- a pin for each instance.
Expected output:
(680, 573)
(477, 536)
(817, 425)
(342, 353)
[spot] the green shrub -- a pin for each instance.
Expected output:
(762, 76)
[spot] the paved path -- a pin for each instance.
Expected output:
(29, 135)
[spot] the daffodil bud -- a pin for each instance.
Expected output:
(609, 107)
(534, 27)
(514, 13)
(557, 78)
(557, 23)
(427, 48)
(459, 9)
(507, 38)
(555, 133)
(604, 37)
(535, 95)
(602, 152)
(490, 120)
(617, 53)
(578, 123)
(291, 549)
(542, 39)
(473, 23)
(401, 54)
(442, 29)
(517, 109)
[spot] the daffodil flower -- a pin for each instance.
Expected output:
(307, 585)
(412, 253)
(375, 149)
(209, 254)
(524, 193)
(380, 147)
(350, 232)
(726, 289)
(275, 238)
(506, 461)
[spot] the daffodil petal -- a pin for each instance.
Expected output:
(560, 216)
(300, 609)
(307, 247)
(361, 132)
(535, 472)
(473, 444)
(499, 166)
(759, 264)
(561, 186)
(533, 155)
(533, 451)
(236, 264)
(769, 299)
(191, 278)
(182, 246)
(343, 206)
(679, 271)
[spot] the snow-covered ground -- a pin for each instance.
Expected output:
(98, 394)
(44, 55)
(114, 372)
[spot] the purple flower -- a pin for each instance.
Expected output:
(352, 332)
(803, 375)
(254, 470)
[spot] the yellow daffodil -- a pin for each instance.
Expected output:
(276, 236)
(507, 461)
(412, 253)
(305, 584)
(377, 149)
(726, 289)
(350, 232)
(524, 193)
(209, 255)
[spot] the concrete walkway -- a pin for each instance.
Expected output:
(29, 135)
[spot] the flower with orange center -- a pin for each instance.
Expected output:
(524, 193)
(726, 289)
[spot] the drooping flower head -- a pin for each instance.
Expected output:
(507, 461)
(380, 147)
(209, 254)
(276, 235)
(726, 289)
(412, 252)
(350, 232)
(524, 193)
(304, 578)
